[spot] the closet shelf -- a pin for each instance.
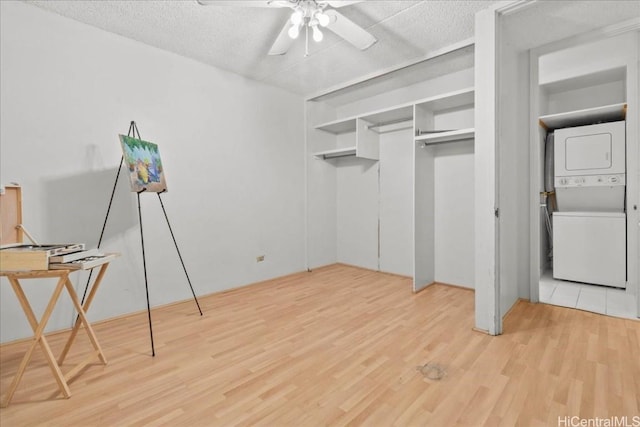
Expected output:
(588, 116)
(447, 136)
(338, 127)
(400, 113)
(387, 116)
(446, 101)
(391, 127)
(338, 152)
(391, 116)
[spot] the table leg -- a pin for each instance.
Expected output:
(85, 308)
(83, 319)
(38, 329)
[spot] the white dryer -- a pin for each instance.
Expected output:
(590, 169)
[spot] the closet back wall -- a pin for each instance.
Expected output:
(234, 164)
(453, 214)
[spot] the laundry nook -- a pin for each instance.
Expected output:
(589, 238)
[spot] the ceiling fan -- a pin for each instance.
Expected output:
(308, 15)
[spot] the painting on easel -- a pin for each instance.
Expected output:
(142, 158)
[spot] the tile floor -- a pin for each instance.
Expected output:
(597, 299)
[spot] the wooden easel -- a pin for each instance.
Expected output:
(133, 132)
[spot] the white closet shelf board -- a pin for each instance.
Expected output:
(392, 127)
(338, 152)
(389, 116)
(606, 113)
(448, 100)
(338, 127)
(447, 136)
(399, 113)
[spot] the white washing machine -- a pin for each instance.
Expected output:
(590, 247)
(589, 229)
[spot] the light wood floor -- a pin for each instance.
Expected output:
(338, 346)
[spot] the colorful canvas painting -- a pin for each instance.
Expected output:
(142, 160)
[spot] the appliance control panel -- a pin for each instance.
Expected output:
(591, 181)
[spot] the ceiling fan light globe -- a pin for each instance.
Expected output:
(323, 19)
(317, 34)
(294, 31)
(296, 17)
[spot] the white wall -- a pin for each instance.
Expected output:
(233, 161)
(321, 245)
(357, 201)
(453, 214)
(592, 58)
(578, 99)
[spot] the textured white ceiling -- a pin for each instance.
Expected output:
(238, 38)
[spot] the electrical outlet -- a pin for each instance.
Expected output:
(260, 258)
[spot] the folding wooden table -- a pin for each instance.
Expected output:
(39, 326)
(11, 231)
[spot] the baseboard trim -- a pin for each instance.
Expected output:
(375, 271)
(424, 287)
(464, 288)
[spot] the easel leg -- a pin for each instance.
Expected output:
(104, 225)
(133, 131)
(146, 285)
(179, 255)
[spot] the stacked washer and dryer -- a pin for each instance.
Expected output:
(589, 225)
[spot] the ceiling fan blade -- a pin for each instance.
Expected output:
(248, 3)
(339, 3)
(283, 41)
(349, 30)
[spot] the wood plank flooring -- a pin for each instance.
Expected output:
(337, 346)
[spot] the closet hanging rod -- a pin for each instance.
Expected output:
(448, 141)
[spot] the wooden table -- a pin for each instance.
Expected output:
(39, 326)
